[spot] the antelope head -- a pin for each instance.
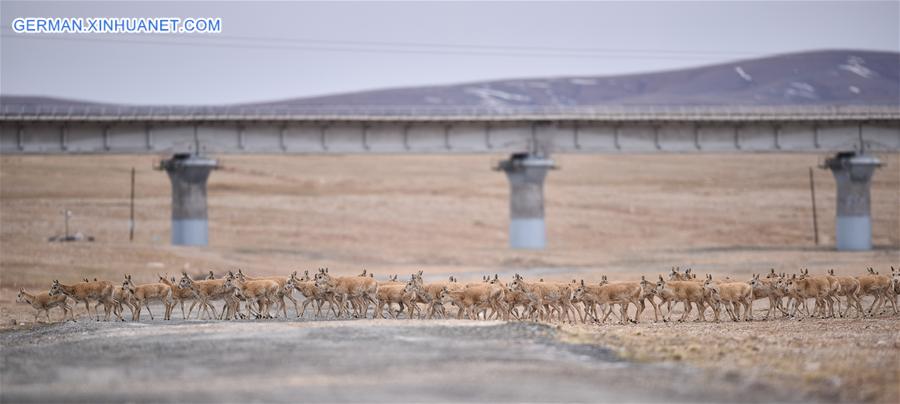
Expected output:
(22, 297)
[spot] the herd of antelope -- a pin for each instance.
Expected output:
(353, 296)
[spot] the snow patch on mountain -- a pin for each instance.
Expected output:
(583, 82)
(803, 86)
(801, 90)
(491, 97)
(856, 65)
(740, 71)
(854, 89)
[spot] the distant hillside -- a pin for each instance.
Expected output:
(822, 78)
(843, 77)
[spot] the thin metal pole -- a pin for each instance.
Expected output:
(66, 215)
(131, 218)
(812, 194)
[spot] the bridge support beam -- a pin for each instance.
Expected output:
(526, 173)
(853, 173)
(188, 174)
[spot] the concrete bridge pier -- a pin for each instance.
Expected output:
(188, 174)
(853, 173)
(526, 173)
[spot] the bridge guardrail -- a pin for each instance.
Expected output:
(33, 112)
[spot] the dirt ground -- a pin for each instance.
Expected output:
(621, 216)
(846, 360)
(340, 361)
(832, 360)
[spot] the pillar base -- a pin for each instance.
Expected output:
(854, 233)
(527, 234)
(190, 232)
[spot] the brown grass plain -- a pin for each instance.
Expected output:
(616, 215)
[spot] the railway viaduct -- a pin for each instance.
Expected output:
(848, 134)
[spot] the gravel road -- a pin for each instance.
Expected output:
(338, 361)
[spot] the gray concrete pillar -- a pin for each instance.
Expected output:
(853, 173)
(188, 174)
(526, 173)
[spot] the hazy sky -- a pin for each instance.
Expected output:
(275, 50)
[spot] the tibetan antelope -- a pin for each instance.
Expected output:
(733, 295)
(311, 294)
(830, 288)
(282, 291)
(686, 292)
(263, 292)
(99, 291)
(357, 290)
(618, 293)
(399, 293)
(469, 300)
(490, 296)
(122, 299)
(145, 293)
(179, 294)
(206, 291)
(878, 286)
(767, 288)
(802, 288)
(850, 290)
(430, 294)
(43, 302)
(553, 296)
